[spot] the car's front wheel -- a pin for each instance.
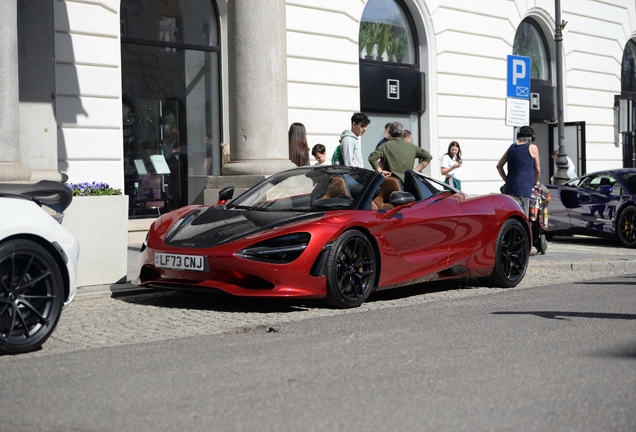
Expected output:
(351, 271)
(31, 296)
(511, 259)
(626, 227)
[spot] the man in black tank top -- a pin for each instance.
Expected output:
(524, 167)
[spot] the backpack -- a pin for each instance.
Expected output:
(336, 158)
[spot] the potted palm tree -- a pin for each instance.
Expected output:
(391, 48)
(383, 40)
(400, 46)
(365, 41)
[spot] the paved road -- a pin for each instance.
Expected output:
(102, 316)
(555, 358)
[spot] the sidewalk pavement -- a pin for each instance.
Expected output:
(582, 257)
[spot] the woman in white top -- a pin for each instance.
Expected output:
(451, 166)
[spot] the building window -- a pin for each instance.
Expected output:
(530, 42)
(628, 69)
(386, 34)
(171, 105)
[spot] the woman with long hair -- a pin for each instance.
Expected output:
(451, 165)
(298, 147)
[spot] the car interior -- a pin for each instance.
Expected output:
(383, 198)
(337, 194)
(339, 191)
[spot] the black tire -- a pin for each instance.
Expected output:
(626, 227)
(31, 296)
(351, 271)
(542, 244)
(511, 258)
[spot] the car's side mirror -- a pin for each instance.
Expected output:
(225, 194)
(605, 189)
(398, 199)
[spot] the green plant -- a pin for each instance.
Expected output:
(374, 35)
(384, 38)
(391, 48)
(400, 46)
(364, 40)
(92, 189)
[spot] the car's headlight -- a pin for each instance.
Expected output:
(281, 250)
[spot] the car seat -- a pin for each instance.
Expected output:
(383, 200)
(337, 188)
(318, 192)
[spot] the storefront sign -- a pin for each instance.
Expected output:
(393, 89)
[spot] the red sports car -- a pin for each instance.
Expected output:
(337, 233)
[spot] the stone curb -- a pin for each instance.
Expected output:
(592, 266)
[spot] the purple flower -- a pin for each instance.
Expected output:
(92, 189)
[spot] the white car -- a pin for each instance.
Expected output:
(38, 263)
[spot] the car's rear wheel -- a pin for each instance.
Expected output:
(626, 227)
(31, 296)
(511, 259)
(351, 269)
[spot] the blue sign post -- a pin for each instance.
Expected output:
(518, 100)
(518, 77)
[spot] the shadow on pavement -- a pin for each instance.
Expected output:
(221, 302)
(561, 315)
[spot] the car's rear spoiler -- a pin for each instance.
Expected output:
(54, 195)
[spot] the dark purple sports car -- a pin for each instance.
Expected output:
(600, 204)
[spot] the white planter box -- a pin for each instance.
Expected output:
(100, 225)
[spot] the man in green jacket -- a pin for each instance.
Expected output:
(397, 154)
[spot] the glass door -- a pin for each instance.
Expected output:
(154, 164)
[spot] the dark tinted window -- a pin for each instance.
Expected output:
(189, 22)
(628, 69)
(529, 42)
(386, 34)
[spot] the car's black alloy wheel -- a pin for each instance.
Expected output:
(626, 227)
(511, 259)
(350, 270)
(31, 296)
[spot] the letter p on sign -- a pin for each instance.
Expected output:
(518, 70)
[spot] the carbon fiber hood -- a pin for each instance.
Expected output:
(215, 226)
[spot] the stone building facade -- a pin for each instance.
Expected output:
(127, 92)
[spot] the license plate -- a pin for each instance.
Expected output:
(180, 262)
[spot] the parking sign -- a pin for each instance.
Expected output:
(518, 77)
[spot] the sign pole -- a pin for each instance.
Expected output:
(561, 176)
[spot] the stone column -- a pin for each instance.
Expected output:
(11, 169)
(257, 63)
(36, 54)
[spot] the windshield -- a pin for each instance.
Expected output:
(308, 189)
